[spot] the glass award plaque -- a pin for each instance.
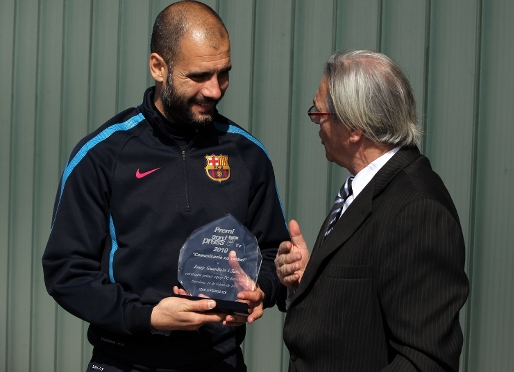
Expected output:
(218, 261)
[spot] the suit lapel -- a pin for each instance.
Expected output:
(354, 216)
(349, 222)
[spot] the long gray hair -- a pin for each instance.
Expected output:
(368, 91)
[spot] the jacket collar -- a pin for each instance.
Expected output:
(166, 128)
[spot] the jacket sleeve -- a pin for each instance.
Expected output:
(79, 242)
(422, 286)
(267, 222)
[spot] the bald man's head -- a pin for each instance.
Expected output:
(185, 19)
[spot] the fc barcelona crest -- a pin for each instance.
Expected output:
(217, 167)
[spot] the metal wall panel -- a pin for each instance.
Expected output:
(307, 162)
(105, 71)
(450, 130)
(492, 302)
(23, 103)
(7, 40)
(269, 108)
(358, 26)
(405, 25)
(48, 122)
(66, 67)
(76, 54)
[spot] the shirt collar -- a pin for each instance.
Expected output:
(365, 175)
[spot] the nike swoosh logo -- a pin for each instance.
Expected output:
(144, 174)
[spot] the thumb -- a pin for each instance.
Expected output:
(296, 235)
(232, 261)
(242, 281)
(202, 305)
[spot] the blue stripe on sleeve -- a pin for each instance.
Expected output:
(106, 133)
(114, 248)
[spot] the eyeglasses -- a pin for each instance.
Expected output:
(315, 115)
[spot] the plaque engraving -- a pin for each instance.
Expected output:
(219, 260)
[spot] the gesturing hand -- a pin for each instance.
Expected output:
(292, 258)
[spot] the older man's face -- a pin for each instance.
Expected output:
(334, 135)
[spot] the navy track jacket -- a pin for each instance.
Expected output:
(128, 199)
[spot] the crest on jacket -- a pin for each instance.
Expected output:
(217, 167)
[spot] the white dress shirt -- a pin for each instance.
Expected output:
(362, 178)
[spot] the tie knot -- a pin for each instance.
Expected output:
(346, 189)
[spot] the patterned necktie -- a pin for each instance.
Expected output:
(335, 212)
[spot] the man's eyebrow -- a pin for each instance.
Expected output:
(199, 74)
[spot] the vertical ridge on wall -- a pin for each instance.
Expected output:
(252, 64)
(422, 121)
(48, 125)
(7, 60)
(471, 221)
(380, 25)
(309, 168)
(35, 265)
(290, 110)
(133, 54)
(9, 20)
(104, 56)
(284, 355)
(270, 118)
(237, 103)
(21, 197)
(75, 115)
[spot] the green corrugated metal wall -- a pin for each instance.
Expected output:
(67, 66)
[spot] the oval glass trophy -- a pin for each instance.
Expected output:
(219, 260)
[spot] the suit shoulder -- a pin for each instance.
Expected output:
(423, 179)
(420, 181)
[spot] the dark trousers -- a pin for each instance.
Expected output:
(101, 362)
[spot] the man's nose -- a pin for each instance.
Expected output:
(213, 88)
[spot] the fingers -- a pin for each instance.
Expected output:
(256, 296)
(288, 261)
(255, 301)
(285, 247)
(179, 291)
(234, 320)
(286, 255)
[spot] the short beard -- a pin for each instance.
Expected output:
(177, 108)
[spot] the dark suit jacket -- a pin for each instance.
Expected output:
(382, 292)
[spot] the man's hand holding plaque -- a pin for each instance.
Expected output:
(221, 260)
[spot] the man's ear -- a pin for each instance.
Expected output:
(355, 135)
(158, 68)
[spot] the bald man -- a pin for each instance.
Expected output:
(136, 188)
